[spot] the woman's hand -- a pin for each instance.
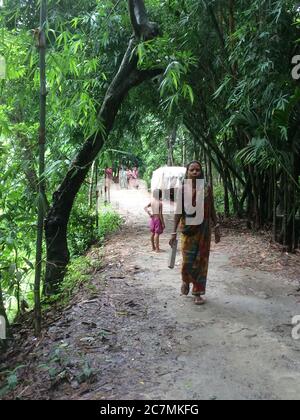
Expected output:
(217, 234)
(173, 240)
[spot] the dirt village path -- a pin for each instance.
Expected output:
(134, 336)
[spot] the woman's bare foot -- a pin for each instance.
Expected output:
(185, 289)
(199, 300)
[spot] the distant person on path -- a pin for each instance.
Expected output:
(108, 181)
(123, 178)
(157, 224)
(129, 176)
(196, 238)
(135, 176)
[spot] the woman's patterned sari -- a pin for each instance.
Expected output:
(196, 241)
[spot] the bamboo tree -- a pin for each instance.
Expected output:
(226, 196)
(91, 189)
(274, 204)
(97, 192)
(127, 77)
(42, 142)
(285, 212)
(293, 241)
(3, 343)
(171, 138)
(210, 173)
(184, 162)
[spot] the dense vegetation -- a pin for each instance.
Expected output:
(213, 81)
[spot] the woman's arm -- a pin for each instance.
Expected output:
(161, 216)
(178, 215)
(177, 219)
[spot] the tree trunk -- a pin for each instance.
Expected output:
(57, 219)
(293, 237)
(209, 142)
(233, 191)
(275, 205)
(4, 322)
(184, 162)
(91, 186)
(196, 154)
(206, 166)
(42, 141)
(285, 213)
(210, 173)
(231, 31)
(226, 198)
(255, 217)
(270, 197)
(97, 193)
(170, 144)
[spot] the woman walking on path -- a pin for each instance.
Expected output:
(196, 238)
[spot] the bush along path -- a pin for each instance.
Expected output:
(127, 332)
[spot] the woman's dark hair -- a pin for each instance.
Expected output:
(188, 167)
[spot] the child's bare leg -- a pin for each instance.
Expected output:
(157, 243)
(152, 242)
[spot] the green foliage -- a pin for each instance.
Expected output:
(77, 276)
(225, 84)
(12, 380)
(82, 230)
(82, 237)
(175, 84)
(109, 222)
(58, 366)
(219, 199)
(76, 82)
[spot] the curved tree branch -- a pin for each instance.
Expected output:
(127, 77)
(142, 27)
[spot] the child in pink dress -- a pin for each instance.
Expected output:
(157, 223)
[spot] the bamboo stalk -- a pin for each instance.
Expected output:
(97, 192)
(42, 187)
(285, 213)
(91, 189)
(274, 205)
